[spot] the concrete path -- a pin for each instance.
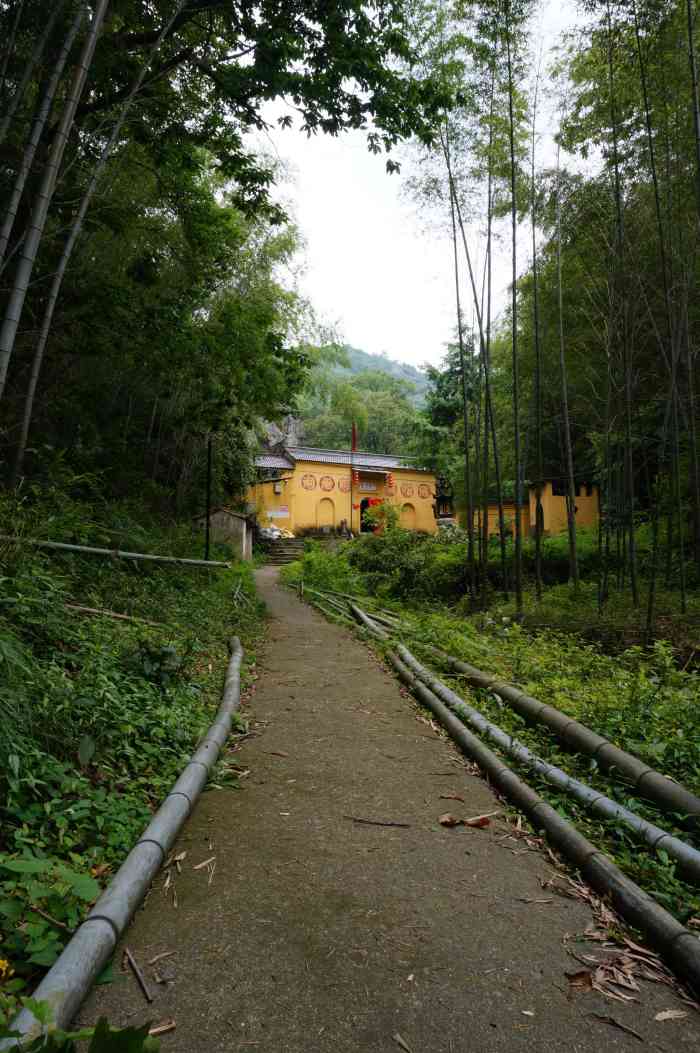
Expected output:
(320, 933)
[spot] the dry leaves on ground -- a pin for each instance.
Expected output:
(671, 1014)
(613, 977)
(617, 975)
(478, 821)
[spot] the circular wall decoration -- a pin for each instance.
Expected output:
(308, 482)
(327, 483)
(424, 490)
(407, 490)
(344, 486)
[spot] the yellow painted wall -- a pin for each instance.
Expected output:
(553, 512)
(554, 509)
(315, 495)
(509, 517)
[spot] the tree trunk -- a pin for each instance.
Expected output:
(36, 133)
(25, 267)
(9, 47)
(568, 451)
(71, 240)
(620, 294)
(465, 403)
(514, 324)
(539, 514)
(29, 68)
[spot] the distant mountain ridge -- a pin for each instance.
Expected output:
(363, 360)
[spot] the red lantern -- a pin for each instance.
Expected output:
(356, 478)
(389, 478)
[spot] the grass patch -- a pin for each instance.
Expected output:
(98, 715)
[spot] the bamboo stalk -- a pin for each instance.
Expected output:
(112, 614)
(115, 553)
(36, 134)
(28, 71)
(74, 234)
(44, 197)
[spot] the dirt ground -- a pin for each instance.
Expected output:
(321, 933)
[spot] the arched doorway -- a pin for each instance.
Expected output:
(325, 514)
(408, 517)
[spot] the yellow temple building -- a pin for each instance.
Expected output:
(304, 489)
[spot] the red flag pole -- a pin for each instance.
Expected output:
(353, 447)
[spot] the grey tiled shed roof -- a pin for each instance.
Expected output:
(358, 459)
(272, 460)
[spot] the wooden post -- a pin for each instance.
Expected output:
(208, 532)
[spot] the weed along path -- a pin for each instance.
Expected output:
(324, 908)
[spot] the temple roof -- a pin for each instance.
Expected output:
(289, 455)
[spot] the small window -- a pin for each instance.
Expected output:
(278, 487)
(559, 488)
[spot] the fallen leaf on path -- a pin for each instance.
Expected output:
(478, 821)
(616, 1023)
(671, 1014)
(611, 977)
(401, 1042)
(580, 981)
(447, 819)
(161, 1029)
(277, 753)
(206, 862)
(451, 797)
(527, 1012)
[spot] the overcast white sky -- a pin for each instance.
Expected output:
(369, 266)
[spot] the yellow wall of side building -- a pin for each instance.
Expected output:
(316, 495)
(553, 512)
(554, 509)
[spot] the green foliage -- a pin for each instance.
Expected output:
(383, 516)
(173, 321)
(100, 715)
(103, 1038)
(322, 569)
(356, 361)
(381, 406)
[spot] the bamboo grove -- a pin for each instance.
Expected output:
(141, 308)
(590, 373)
(142, 312)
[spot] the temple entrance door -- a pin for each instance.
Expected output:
(408, 517)
(364, 505)
(325, 514)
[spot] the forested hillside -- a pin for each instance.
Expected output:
(363, 362)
